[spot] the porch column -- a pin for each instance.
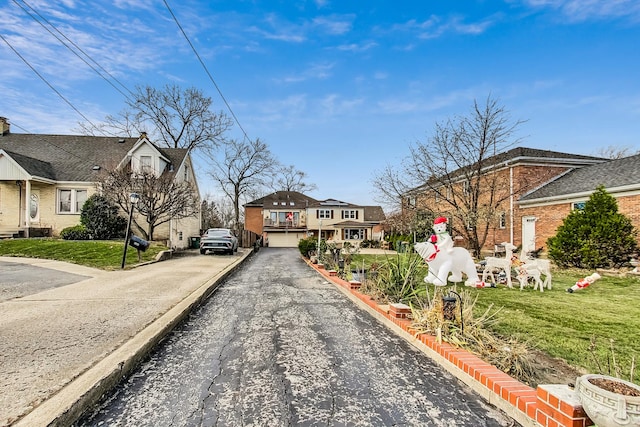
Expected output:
(27, 203)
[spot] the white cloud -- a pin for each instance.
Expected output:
(584, 10)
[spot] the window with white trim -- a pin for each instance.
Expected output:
(354, 234)
(70, 201)
(502, 220)
(325, 213)
(349, 214)
(145, 164)
(578, 206)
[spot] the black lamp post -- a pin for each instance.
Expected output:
(133, 197)
(449, 305)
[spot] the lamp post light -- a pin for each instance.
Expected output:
(133, 198)
(449, 305)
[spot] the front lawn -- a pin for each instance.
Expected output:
(564, 325)
(103, 254)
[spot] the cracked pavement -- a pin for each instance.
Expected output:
(277, 345)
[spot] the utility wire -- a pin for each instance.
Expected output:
(73, 51)
(206, 70)
(49, 84)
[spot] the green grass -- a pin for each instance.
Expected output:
(563, 324)
(102, 254)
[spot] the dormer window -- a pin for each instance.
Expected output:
(145, 164)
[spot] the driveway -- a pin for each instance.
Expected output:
(277, 345)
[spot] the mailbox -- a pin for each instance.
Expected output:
(138, 243)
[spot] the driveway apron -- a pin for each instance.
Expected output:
(277, 345)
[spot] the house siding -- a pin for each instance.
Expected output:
(253, 219)
(550, 216)
(516, 180)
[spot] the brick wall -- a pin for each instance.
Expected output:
(253, 219)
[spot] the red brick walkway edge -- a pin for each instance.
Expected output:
(549, 405)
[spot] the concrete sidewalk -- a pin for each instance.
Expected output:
(60, 349)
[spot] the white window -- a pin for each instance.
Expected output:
(354, 234)
(186, 173)
(466, 188)
(325, 213)
(411, 201)
(502, 220)
(349, 214)
(145, 163)
(71, 201)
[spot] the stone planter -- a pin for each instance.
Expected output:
(607, 408)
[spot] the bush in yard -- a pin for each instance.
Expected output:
(594, 237)
(77, 232)
(310, 244)
(101, 219)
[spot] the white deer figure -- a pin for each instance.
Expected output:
(493, 263)
(538, 267)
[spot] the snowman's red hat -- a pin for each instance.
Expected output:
(439, 220)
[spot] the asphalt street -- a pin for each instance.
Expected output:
(277, 345)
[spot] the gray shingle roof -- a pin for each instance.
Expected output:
(611, 174)
(374, 214)
(72, 157)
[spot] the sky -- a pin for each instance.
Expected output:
(338, 88)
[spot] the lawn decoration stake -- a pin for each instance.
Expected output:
(581, 284)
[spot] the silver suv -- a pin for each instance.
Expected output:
(218, 240)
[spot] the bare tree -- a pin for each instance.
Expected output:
(454, 167)
(288, 178)
(616, 152)
(242, 167)
(173, 117)
(162, 198)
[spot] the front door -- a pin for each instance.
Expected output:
(528, 233)
(34, 206)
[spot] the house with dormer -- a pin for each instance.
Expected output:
(45, 180)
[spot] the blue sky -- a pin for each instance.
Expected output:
(338, 88)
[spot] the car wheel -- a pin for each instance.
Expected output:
(203, 251)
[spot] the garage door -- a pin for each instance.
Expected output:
(284, 240)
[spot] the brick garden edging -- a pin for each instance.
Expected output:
(549, 405)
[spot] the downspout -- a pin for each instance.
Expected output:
(511, 204)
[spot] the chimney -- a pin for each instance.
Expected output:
(4, 125)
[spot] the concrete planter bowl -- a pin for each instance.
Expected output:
(609, 408)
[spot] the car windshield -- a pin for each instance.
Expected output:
(219, 233)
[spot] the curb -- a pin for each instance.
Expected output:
(66, 406)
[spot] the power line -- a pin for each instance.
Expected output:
(49, 84)
(72, 50)
(206, 70)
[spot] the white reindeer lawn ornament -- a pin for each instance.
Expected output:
(494, 263)
(445, 266)
(529, 271)
(542, 266)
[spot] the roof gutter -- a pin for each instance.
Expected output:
(625, 190)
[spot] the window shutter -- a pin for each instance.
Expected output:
(331, 213)
(356, 214)
(342, 213)
(342, 238)
(317, 213)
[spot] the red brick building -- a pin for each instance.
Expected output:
(538, 189)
